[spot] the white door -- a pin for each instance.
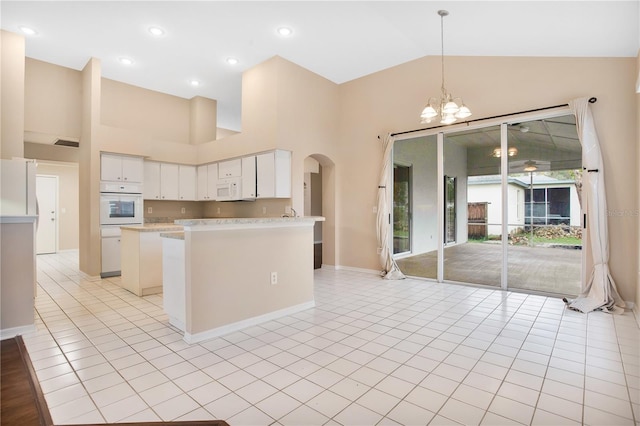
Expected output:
(47, 196)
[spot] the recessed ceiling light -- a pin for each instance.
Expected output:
(156, 31)
(28, 30)
(285, 31)
(125, 61)
(194, 82)
(232, 61)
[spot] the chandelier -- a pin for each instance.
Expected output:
(446, 107)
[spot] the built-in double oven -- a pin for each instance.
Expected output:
(120, 204)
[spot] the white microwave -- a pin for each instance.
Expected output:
(121, 209)
(229, 189)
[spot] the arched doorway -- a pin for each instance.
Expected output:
(319, 200)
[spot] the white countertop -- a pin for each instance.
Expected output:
(153, 227)
(249, 221)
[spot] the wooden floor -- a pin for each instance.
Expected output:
(20, 403)
(21, 400)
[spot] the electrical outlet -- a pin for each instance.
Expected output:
(183, 210)
(264, 210)
(287, 210)
(218, 210)
(274, 278)
(149, 209)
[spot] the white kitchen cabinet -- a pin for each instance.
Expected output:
(207, 181)
(121, 168)
(230, 168)
(151, 190)
(187, 182)
(169, 181)
(249, 177)
(111, 255)
(273, 174)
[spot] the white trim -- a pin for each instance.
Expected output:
(504, 188)
(249, 322)
(88, 277)
(440, 205)
(9, 333)
(354, 269)
(636, 313)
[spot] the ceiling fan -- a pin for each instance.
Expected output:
(524, 166)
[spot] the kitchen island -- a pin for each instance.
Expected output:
(141, 257)
(222, 275)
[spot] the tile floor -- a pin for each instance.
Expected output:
(373, 352)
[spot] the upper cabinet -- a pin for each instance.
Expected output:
(249, 177)
(167, 181)
(207, 181)
(187, 182)
(121, 168)
(230, 168)
(273, 174)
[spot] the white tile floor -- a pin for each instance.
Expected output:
(373, 352)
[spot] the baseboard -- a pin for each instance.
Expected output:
(636, 313)
(354, 269)
(10, 333)
(249, 322)
(88, 277)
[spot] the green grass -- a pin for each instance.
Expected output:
(559, 240)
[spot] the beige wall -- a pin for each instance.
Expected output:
(391, 100)
(89, 171)
(228, 274)
(53, 102)
(168, 211)
(68, 206)
(12, 76)
(203, 115)
(159, 115)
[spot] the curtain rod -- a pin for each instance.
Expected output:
(592, 100)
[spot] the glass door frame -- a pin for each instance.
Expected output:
(409, 168)
(503, 122)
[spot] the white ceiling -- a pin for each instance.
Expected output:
(340, 40)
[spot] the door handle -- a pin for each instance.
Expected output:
(52, 219)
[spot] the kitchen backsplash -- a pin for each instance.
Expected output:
(168, 211)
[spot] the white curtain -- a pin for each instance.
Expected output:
(389, 265)
(599, 292)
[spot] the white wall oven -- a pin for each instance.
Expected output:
(120, 204)
(121, 208)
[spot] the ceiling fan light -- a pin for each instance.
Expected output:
(512, 152)
(497, 152)
(463, 112)
(530, 166)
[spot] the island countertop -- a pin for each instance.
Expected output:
(153, 227)
(250, 221)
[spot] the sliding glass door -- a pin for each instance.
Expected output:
(419, 156)
(545, 233)
(496, 206)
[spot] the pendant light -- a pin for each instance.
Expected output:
(446, 107)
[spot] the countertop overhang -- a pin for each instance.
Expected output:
(153, 227)
(247, 223)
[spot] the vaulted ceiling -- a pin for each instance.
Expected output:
(340, 40)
